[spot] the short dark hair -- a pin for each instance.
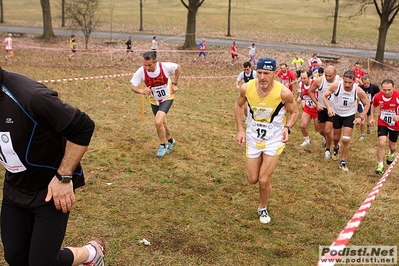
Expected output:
(320, 70)
(246, 64)
(388, 81)
(365, 77)
(150, 55)
(308, 73)
(349, 74)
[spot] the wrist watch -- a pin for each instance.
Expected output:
(289, 129)
(63, 178)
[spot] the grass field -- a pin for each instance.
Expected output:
(195, 205)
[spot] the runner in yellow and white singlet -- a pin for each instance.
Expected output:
(267, 102)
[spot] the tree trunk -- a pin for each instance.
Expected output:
(382, 37)
(334, 33)
(47, 24)
(141, 15)
(228, 20)
(2, 12)
(191, 29)
(63, 13)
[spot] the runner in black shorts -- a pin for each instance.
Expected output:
(42, 142)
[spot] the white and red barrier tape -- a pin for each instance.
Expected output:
(84, 78)
(350, 228)
(123, 75)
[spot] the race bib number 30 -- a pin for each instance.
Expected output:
(8, 157)
(160, 92)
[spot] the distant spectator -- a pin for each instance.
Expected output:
(8, 42)
(315, 58)
(315, 68)
(202, 46)
(128, 48)
(234, 53)
(251, 52)
(359, 73)
(298, 64)
(154, 43)
(72, 46)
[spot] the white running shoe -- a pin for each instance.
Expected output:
(327, 155)
(264, 217)
(305, 143)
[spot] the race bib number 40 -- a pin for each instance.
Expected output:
(8, 157)
(387, 117)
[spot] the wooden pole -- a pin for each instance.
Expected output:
(142, 105)
(368, 65)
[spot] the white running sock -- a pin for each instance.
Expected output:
(92, 252)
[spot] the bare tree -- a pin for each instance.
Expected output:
(1, 12)
(387, 11)
(334, 33)
(228, 19)
(47, 24)
(192, 8)
(229, 15)
(83, 14)
(141, 15)
(62, 13)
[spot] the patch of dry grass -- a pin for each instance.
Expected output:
(195, 205)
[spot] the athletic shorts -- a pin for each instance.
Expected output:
(322, 116)
(234, 55)
(384, 131)
(360, 108)
(271, 147)
(129, 50)
(202, 53)
(311, 111)
(340, 121)
(163, 106)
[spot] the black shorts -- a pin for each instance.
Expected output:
(322, 116)
(164, 107)
(360, 109)
(341, 121)
(384, 131)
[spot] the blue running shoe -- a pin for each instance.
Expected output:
(170, 146)
(162, 151)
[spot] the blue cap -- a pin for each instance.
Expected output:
(266, 63)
